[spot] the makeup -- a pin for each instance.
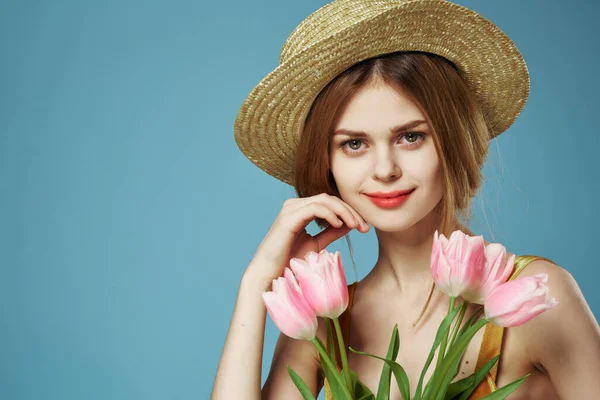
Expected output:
(390, 199)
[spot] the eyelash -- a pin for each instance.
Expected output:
(420, 138)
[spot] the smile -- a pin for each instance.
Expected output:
(389, 202)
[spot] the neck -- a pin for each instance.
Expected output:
(404, 262)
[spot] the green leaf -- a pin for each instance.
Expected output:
(366, 397)
(343, 356)
(445, 339)
(383, 390)
(478, 377)
(336, 382)
(361, 391)
(399, 373)
(337, 389)
(458, 323)
(470, 321)
(442, 376)
(504, 391)
(441, 333)
(304, 390)
(353, 379)
(330, 344)
(458, 387)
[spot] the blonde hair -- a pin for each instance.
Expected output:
(461, 135)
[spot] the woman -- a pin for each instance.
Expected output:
(380, 114)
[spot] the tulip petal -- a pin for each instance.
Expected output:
(289, 310)
(457, 263)
(323, 283)
(515, 302)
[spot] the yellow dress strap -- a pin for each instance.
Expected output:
(344, 320)
(492, 338)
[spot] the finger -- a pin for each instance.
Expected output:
(356, 215)
(341, 208)
(350, 216)
(326, 200)
(299, 218)
(330, 235)
(342, 212)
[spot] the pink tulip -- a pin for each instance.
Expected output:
(497, 269)
(323, 282)
(288, 309)
(517, 301)
(457, 263)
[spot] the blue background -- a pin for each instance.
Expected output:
(128, 215)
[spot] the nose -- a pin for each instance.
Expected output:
(386, 166)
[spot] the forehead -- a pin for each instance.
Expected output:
(377, 108)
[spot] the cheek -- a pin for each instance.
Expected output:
(348, 173)
(435, 178)
(430, 168)
(431, 171)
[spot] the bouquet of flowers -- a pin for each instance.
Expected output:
(461, 266)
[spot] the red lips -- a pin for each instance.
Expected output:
(389, 199)
(387, 195)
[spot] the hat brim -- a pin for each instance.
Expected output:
(269, 123)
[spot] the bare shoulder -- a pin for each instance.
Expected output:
(565, 340)
(561, 284)
(563, 287)
(302, 357)
(537, 333)
(559, 279)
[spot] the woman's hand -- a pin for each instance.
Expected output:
(288, 237)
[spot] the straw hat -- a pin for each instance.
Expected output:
(340, 34)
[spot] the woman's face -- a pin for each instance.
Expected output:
(383, 143)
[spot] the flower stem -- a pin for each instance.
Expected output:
(461, 315)
(442, 352)
(325, 357)
(330, 344)
(346, 369)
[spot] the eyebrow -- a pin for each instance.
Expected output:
(394, 130)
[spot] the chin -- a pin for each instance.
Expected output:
(391, 222)
(396, 220)
(392, 227)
